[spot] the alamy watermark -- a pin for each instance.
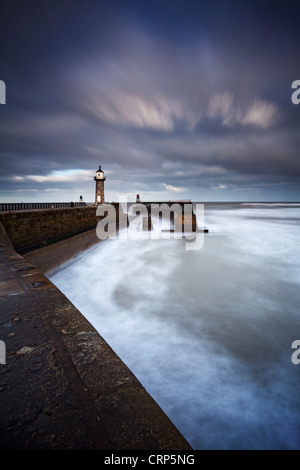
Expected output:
(2, 352)
(296, 354)
(296, 94)
(139, 221)
(2, 92)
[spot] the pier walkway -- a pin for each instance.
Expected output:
(62, 386)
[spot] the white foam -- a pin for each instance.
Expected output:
(207, 332)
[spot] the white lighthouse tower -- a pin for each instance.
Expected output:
(99, 178)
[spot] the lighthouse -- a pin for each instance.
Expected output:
(99, 178)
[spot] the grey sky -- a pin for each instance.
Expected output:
(174, 99)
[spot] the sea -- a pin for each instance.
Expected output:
(210, 333)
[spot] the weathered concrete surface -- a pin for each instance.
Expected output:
(54, 255)
(30, 230)
(62, 386)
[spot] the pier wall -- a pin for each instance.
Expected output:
(50, 237)
(62, 386)
(32, 229)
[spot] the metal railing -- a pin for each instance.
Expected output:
(18, 206)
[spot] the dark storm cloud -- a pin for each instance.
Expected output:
(195, 93)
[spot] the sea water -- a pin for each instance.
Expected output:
(207, 332)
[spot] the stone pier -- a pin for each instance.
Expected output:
(62, 386)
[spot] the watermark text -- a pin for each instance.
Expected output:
(2, 92)
(296, 354)
(153, 221)
(296, 93)
(2, 352)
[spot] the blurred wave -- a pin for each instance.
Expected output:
(208, 332)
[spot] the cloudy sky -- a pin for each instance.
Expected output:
(175, 99)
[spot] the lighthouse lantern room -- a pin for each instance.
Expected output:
(99, 178)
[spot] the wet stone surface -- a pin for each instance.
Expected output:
(62, 386)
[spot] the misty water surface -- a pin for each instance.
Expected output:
(207, 332)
